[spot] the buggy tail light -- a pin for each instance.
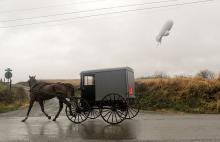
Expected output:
(131, 91)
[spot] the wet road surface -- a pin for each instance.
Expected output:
(148, 126)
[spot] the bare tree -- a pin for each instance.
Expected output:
(206, 74)
(160, 74)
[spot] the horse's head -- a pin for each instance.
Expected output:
(32, 81)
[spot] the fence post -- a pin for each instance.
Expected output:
(10, 84)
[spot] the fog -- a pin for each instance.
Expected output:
(63, 49)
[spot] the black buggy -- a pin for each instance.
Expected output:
(109, 93)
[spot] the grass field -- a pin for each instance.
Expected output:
(194, 95)
(12, 100)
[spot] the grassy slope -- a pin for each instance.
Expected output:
(12, 100)
(195, 95)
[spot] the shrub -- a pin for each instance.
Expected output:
(206, 74)
(17, 94)
(181, 94)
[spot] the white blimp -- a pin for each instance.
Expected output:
(165, 31)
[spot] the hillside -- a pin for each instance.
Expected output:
(195, 95)
(12, 100)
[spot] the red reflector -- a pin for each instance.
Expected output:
(131, 91)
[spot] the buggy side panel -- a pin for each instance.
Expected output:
(110, 82)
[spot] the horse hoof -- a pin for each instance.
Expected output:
(54, 119)
(23, 120)
(49, 117)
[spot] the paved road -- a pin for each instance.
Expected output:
(148, 126)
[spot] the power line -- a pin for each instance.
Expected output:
(108, 13)
(91, 10)
(48, 6)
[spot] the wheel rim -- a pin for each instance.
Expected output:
(78, 111)
(133, 108)
(113, 108)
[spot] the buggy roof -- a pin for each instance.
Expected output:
(106, 70)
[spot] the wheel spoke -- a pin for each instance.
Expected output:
(109, 116)
(119, 116)
(113, 117)
(95, 113)
(78, 108)
(116, 110)
(74, 118)
(80, 116)
(92, 114)
(133, 108)
(120, 112)
(132, 113)
(107, 113)
(128, 115)
(84, 115)
(116, 117)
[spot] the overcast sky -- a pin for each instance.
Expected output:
(64, 49)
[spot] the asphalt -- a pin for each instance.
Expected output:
(147, 126)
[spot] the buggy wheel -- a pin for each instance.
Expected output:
(133, 108)
(113, 108)
(78, 111)
(94, 113)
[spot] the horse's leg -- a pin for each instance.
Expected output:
(60, 97)
(42, 109)
(68, 104)
(60, 109)
(29, 109)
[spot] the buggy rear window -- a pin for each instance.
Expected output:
(89, 80)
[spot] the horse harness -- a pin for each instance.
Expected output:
(37, 89)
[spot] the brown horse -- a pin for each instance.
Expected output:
(41, 91)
